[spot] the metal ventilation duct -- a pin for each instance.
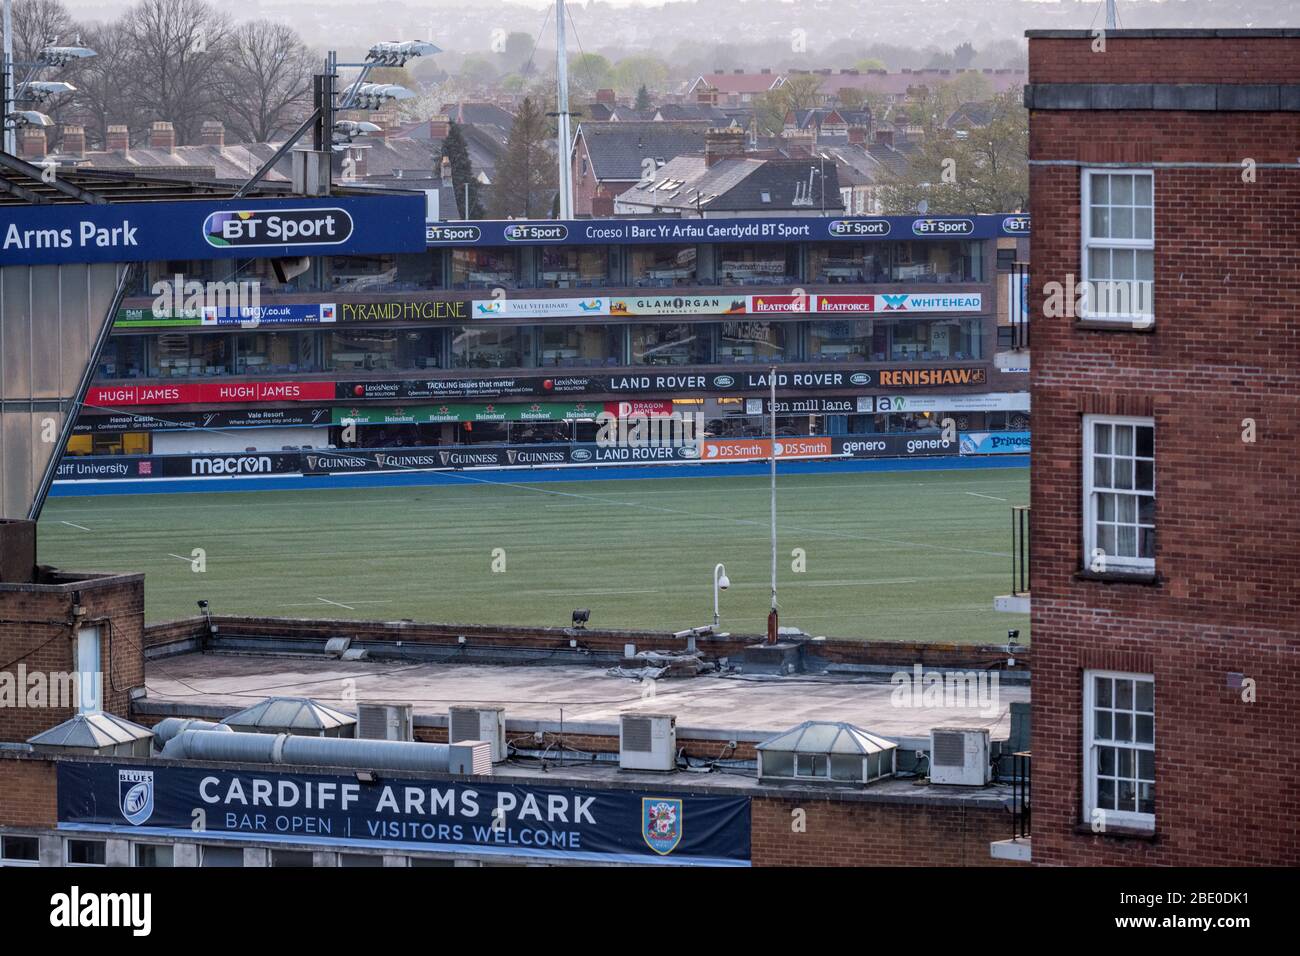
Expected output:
(298, 751)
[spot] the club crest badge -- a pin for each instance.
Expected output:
(661, 824)
(135, 795)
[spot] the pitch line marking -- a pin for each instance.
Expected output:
(71, 525)
(974, 494)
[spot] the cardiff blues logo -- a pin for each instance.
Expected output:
(661, 824)
(135, 795)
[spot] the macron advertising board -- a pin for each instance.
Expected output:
(211, 229)
(579, 232)
(397, 813)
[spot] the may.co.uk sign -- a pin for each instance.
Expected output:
(651, 826)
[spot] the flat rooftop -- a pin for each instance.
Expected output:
(586, 699)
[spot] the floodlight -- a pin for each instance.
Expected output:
(397, 52)
(32, 118)
(374, 95)
(347, 130)
(41, 90)
(63, 55)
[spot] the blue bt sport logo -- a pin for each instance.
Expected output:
(252, 229)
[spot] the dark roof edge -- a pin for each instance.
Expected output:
(1168, 33)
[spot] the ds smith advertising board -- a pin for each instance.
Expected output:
(211, 229)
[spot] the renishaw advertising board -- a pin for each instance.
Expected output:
(211, 229)
(406, 813)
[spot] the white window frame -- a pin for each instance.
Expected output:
(90, 684)
(1123, 818)
(1087, 243)
(1112, 562)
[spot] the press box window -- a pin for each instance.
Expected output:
(155, 854)
(1118, 247)
(86, 852)
(19, 851)
(1120, 749)
(1119, 497)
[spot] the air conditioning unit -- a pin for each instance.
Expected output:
(472, 757)
(479, 723)
(647, 742)
(384, 721)
(959, 756)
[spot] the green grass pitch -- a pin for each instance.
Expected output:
(888, 556)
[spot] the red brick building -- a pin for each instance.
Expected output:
(1165, 492)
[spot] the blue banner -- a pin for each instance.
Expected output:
(779, 229)
(211, 229)
(995, 443)
(641, 826)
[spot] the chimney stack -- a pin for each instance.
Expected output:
(723, 143)
(213, 133)
(162, 136)
(74, 141)
(31, 143)
(884, 137)
(385, 122)
(446, 171)
(439, 126)
(117, 139)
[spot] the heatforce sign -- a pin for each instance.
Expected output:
(407, 813)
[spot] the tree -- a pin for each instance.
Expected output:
(102, 98)
(987, 171)
(456, 152)
(642, 99)
(588, 73)
(516, 52)
(266, 80)
(527, 173)
(177, 48)
(634, 72)
(802, 91)
(799, 92)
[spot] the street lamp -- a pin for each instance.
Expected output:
(720, 583)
